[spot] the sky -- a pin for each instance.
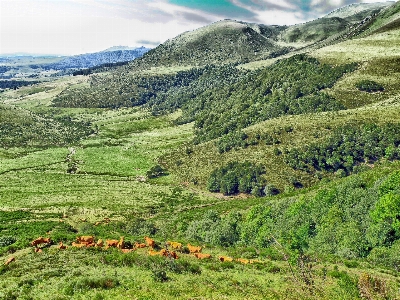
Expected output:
(70, 27)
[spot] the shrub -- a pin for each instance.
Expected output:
(369, 86)
(237, 177)
(155, 172)
(387, 257)
(83, 284)
(159, 276)
(7, 241)
(140, 226)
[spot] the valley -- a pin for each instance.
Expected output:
(276, 144)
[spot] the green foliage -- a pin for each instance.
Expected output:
(237, 177)
(232, 140)
(390, 183)
(7, 241)
(215, 230)
(155, 172)
(347, 284)
(387, 210)
(347, 220)
(85, 284)
(369, 86)
(125, 91)
(20, 128)
(347, 147)
(290, 86)
(140, 227)
(387, 257)
(159, 276)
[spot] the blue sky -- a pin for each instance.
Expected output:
(68, 27)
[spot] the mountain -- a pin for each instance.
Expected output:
(358, 11)
(230, 41)
(94, 59)
(223, 41)
(333, 24)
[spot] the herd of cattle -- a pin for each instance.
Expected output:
(170, 248)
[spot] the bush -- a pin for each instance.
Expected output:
(139, 226)
(387, 257)
(214, 230)
(159, 276)
(83, 284)
(7, 241)
(369, 86)
(155, 172)
(237, 177)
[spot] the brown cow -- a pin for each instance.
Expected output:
(175, 245)
(111, 243)
(61, 246)
(10, 260)
(194, 249)
(40, 241)
(99, 243)
(153, 253)
(149, 242)
(225, 258)
(173, 255)
(127, 250)
(202, 255)
(140, 245)
(121, 243)
(88, 239)
(243, 261)
(78, 245)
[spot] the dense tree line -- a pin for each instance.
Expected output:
(354, 219)
(347, 147)
(14, 84)
(236, 178)
(369, 86)
(100, 68)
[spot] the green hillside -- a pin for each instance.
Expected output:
(224, 41)
(285, 170)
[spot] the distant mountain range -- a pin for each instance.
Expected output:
(89, 60)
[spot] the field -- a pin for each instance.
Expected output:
(301, 233)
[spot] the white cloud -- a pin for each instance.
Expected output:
(79, 26)
(73, 26)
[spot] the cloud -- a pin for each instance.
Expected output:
(148, 43)
(79, 26)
